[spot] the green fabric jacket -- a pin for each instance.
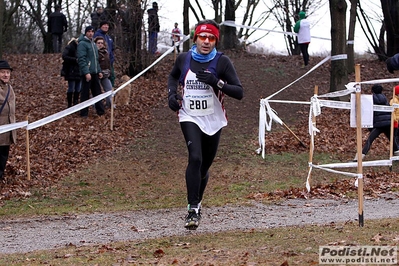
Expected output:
(297, 26)
(87, 56)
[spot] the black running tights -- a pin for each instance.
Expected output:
(202, 150)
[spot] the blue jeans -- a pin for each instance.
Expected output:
(57, 42)
(107, 86)
(74, 85)
(152, 42)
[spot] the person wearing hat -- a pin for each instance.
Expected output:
(57, 25)
(103, 32)
(381, 122)
(7, 115)
(153, 28)
(205, 76)
(98, 16)
(72, 72)
(90, 70)
(302, 28)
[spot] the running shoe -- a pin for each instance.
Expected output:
(192, 219)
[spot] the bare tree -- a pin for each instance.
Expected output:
(339, 73)
(287, 14)
(391, 21)
(351, 37)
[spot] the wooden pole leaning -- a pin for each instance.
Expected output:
(359, 145)
(112, 111)
(316, 91)
(27, 152)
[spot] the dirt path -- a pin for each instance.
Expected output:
(25, 235)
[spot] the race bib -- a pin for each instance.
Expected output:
(199, 104)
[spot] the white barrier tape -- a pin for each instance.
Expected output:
(307, 73)
(334, 171)
(315, 105)
(335, 104)
(231, 23)
(68, 111)
(339, 57)
(350, 42)
(376, 81)
(335, 94)
(284, 101)
(13, 126)
(170, 50)
(354, 164)
(262, 126)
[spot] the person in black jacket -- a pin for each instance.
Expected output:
(381, 122)
(153, 28)
(57, 25)
(71, 72)
(205, 76)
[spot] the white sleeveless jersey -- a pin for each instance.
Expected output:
(201, 105)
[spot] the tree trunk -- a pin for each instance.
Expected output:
(230, 35)
(390, 11)
(186, 24)
(135, 63)
(2, 8)
(339, 74)
(351, 37)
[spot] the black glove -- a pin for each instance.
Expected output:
(173, 101)
(207, 77)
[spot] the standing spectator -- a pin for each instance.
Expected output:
(98, 16)
(105, 64)
(393, 63)
(103, 32)
(57, 25)
(90, 70)
(302, 28)
(381, 122)
(395, 100)
(176, 33)
(205, 76)
(7, 115)
(71, 72)
(153, 28)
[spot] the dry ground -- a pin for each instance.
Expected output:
(61, 147)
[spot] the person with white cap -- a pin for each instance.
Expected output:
(7, 115)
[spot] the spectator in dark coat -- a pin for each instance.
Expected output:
(90, 70)
(153, 28)
(381, 122)
(71, 72)
(57, 25)
(98, 16)
(103, 32)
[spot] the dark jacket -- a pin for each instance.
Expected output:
(87, 56)
(110, 43)
(70, 57)
(153, 20)
(380, 119)
(104, 60)
(57, 23)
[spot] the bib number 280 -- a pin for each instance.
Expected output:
(198, 104)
